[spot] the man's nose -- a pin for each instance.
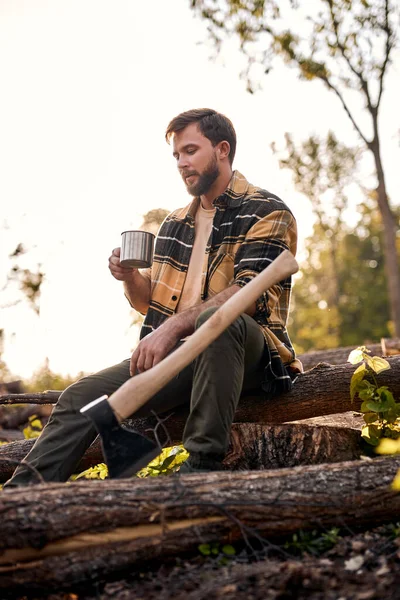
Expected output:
(183, 162)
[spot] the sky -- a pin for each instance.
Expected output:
(88, 87)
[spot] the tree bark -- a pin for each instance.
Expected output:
(389, 236)
(58, 535)
(321, 391)
(252, 446)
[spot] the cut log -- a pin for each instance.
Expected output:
(338, 356)
(54, 535)
(323, 390)
(253, 446)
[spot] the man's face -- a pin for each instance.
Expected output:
(196, 159)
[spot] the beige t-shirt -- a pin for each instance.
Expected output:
(191, 293)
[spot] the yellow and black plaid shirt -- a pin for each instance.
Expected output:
(251, 227)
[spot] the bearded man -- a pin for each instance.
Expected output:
(204, 253)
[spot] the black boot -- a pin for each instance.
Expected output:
(202, 463)
(125, 450)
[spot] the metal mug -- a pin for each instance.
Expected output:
(137, 249)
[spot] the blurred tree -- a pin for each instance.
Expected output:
(324, 171)
(44, 379)
(345, 44)
(5, 373)
(153, 219)
(28, 282)
(361, 314)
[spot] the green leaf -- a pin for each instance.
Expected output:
(205, 549)
(373, 406)
(370, 417)
(356, 379)
(229, 550)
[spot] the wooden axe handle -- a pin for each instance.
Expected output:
(136, 391)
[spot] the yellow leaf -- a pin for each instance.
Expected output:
(388, 446)
(378, 364)
(396, 482)
(357, 376)
(100, 471)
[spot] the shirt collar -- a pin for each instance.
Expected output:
(234, 193)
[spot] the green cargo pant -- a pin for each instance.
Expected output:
(212, 384)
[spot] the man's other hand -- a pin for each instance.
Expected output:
(120, 273)
(155, 346)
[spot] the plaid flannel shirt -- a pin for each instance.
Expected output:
(251, 227)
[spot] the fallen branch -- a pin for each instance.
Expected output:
(48, 397)
(338, 356)
(53, 535)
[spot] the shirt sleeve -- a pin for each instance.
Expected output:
(264, 241)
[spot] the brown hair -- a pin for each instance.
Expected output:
(213, 125)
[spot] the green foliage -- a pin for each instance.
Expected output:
(223, 553)
(393, 530)
(345, 45)
(312, 542)
(346, 304)
(380, 410)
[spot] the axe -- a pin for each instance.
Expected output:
(125, 450)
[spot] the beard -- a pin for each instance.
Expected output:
(205, 179)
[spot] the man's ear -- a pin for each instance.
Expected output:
(223, 149)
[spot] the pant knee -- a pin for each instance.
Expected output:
(205, 315)
(237, 329)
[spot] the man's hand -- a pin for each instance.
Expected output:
(120, 273)
(155, 346)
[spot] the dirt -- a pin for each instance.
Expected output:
(359, 566)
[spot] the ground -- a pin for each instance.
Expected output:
(359, 566)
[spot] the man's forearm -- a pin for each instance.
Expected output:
(185, 321)
(137, 290)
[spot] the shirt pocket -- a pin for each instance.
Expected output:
(220, 274)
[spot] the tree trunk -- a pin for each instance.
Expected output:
(53, 535)
(389, 234)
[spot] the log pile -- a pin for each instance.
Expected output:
(286, 473)
(55, 533)
(321, 391)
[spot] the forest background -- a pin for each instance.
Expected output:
(88, 90)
